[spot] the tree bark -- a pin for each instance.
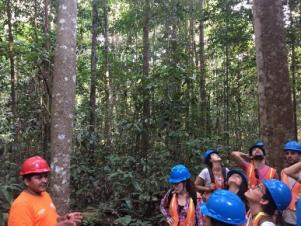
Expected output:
(202, 80)
(293, 64)
(12, 64)
(275, 103)
(108, 82)
(63, 100)
(92, 120)
(47, 82)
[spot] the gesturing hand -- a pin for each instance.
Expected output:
(74, 217)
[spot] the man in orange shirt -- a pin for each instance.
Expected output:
(34, 206)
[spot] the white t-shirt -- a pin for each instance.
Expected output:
(205, 175)
(268, 223)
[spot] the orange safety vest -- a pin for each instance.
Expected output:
(258, 218)
(270, 174)
(296, 189)
(173, 211)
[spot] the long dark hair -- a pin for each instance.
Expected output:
(189, 185)
(241, 192)
(270, 208)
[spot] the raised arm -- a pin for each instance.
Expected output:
(294, 171)
(240, 158)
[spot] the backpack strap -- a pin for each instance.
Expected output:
(211, 175)
(225, 174)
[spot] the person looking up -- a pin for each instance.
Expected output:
(263, 201)
(237, 182)
(213, 176)
(254, 164)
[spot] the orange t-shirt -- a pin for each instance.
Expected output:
(31, 210)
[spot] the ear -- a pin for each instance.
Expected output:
(264, 202)
(26, 181)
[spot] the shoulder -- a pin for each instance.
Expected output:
(205, 170)
(21, 200)
(46, 195)
(21, 206)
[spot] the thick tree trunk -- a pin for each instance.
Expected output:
(293, 64)
(92, 120)
(275, 103)
(63, 99)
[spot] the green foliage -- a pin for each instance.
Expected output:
(9, 187)
(128, 220)
(124, 182)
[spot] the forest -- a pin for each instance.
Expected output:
(115, 92)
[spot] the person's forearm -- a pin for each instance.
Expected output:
(293, 171)
(239, 158)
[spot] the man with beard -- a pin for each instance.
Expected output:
(254, 164)
(34, 206)
(292, 151)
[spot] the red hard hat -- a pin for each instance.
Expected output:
(35, 164)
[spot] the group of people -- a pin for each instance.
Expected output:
(252, 194)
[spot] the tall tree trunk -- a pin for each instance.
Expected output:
(12, 65)
(63, 100)
(293, 64)
(108, 81)
(226, 96)
(92, 120)
(47, 80)
(145, 90)
(204, 111)
(239, 110)
(275, 103)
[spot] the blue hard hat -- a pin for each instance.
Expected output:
(258, 144)
(240, 172)
(292, 146)
(207, 154)
(280, 192)
(178, 174)
(225, 206)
